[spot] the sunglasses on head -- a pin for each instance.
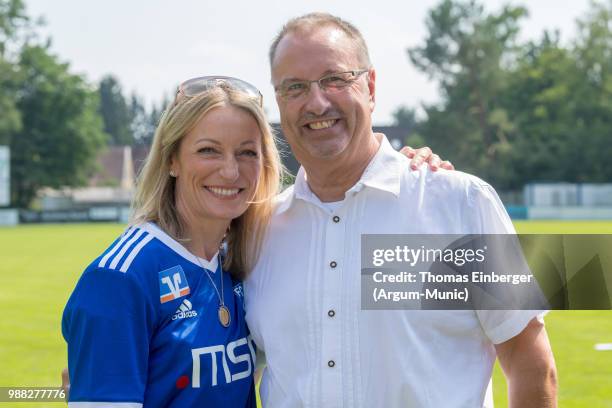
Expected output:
(196, 86)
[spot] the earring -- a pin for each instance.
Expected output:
(172, 173)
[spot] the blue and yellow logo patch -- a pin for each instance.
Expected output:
(172, 284)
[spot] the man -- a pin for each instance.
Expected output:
(303, 298)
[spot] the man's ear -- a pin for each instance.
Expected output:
(372, 88)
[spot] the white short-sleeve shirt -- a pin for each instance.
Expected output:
(303, 299)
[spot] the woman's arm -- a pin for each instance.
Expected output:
(425, 155)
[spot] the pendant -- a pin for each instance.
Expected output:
(224, 316)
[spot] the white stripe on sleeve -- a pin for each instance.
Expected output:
(127, 245)
(115, 248)
(134, 252)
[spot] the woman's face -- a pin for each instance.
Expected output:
(217, 165)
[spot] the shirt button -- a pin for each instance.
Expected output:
(331, 363)
(336, 218)
(331, 313)
(333, 264)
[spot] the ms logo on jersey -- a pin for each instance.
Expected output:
(172, 284)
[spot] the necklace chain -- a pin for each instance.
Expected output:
(219, 295)
(223, 313)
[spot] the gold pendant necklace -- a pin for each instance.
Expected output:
(224, 316)
(223, 312)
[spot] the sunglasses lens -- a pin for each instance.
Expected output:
(195, 86)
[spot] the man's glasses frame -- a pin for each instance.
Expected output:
(330, 83)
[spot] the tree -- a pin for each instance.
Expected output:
(115, 112)
(541, 99)
(560, 99)
(127, 120)
(139, 125)
(465, 51)
(144, 122)
(405, 118)
(62, 131)
(10, 118)
(12, 20)
(593, 53)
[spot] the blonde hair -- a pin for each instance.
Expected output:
(311, 21)
(154, 199)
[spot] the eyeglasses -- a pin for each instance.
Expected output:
(196, 86)
(330, 83)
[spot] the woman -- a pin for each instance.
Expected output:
(157, 319)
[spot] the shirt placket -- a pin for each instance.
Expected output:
(331, 352)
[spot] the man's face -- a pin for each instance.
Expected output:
(321, 126)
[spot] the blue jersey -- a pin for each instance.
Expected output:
(143, 329)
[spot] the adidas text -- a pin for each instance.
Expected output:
(184, 315)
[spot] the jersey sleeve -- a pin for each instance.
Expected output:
(108, 323)
(492, 218)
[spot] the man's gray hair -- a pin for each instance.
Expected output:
(314, 20)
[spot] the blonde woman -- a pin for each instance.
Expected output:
(157, 319)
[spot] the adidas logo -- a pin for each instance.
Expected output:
(184, 311)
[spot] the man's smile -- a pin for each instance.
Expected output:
(323, 124)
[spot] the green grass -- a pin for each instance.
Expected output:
(585, 375)
(40, 265)
(563, 227)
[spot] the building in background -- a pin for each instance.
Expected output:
(107, 196)
(568, 201)
(8, 216)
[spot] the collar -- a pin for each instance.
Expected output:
(382, 173)
(385, 170)
(177, 247)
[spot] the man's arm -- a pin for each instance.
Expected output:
(528, 363)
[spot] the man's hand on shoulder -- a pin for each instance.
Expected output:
(65, 382)
(425, 155)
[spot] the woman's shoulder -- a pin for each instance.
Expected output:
(142, 251)
(132, 263)
(129, 249)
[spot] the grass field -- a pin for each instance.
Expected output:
(41, 264)
(585, 375)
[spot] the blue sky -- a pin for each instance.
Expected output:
(152, 45)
